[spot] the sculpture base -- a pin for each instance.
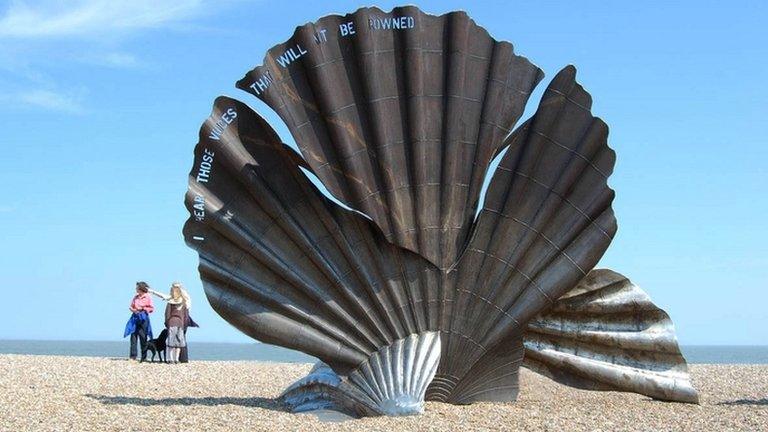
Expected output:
(391, 382)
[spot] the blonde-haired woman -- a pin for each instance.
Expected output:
(176, 320)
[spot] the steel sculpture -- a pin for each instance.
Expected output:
(410, 295)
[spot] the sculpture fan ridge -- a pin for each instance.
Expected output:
(400, 125)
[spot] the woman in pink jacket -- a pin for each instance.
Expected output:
(138, 325)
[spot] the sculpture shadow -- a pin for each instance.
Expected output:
(763, 401)
(272, 404)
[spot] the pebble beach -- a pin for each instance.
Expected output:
(54, 393)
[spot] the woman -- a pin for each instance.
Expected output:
(176, 316)
(138, 325)
(183, 354)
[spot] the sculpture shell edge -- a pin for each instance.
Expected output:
(607, 334)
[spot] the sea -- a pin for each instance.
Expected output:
(709, 354)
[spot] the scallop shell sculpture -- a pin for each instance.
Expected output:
(406, 292)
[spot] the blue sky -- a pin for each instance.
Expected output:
(101, 104)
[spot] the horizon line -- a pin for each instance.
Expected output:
(263, 343)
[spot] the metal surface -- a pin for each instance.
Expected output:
(546, 221)
(606, 334)
(392, 381)
(285, 264)
(399, 124)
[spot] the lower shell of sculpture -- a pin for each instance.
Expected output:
(392, 381)
(605, 334)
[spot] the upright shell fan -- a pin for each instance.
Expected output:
(409, 296)
(399, 116)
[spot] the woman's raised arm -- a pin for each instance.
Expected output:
(165, 297)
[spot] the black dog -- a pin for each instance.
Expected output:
(157, 346)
